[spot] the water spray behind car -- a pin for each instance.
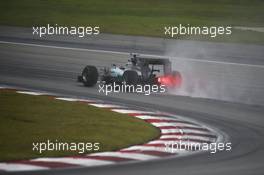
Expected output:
(202, 78)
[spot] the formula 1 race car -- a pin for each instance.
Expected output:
(138, 70)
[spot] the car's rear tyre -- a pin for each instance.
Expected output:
(90, 76)
(130, 77)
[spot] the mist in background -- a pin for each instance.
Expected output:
(212, 79)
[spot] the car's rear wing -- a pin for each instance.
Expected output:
(166, 63)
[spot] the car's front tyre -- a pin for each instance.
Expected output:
(89, 76)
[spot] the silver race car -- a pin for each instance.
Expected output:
(138, 70)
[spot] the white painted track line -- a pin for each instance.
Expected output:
(66, 99)
(127, 155)
(99, 105)
(154, 148)
(30, 93)
(127, 111)
(174, 124)
(170, 141)
(167, 131)
(147, 117)
(78, 161)
(186, 137)
(20, 167)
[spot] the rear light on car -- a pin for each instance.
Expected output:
(171, 81)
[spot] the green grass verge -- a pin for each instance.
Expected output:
(25, 119)
(139, 17)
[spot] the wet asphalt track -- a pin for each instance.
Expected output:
(55, 70)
